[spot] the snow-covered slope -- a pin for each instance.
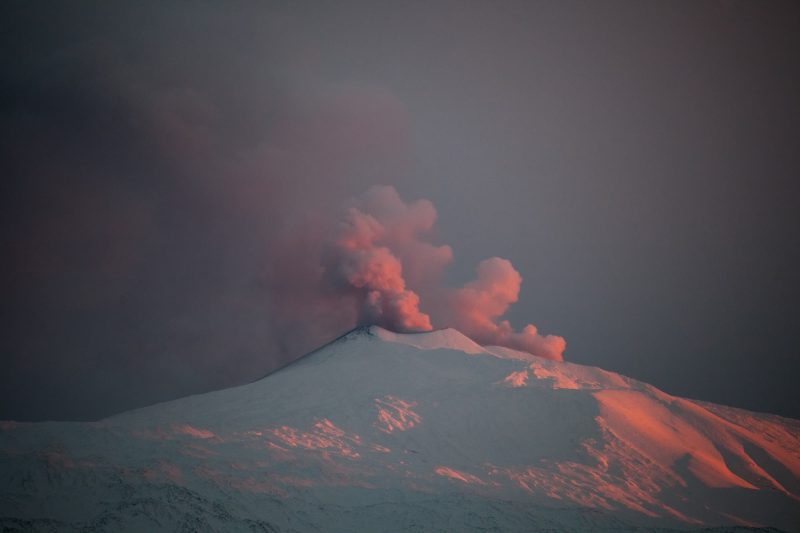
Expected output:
(379, 431)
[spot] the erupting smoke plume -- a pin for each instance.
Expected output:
(378, 256)
(359, 262)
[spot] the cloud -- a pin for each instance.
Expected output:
(359, 260)
(172, 223)
(477, 309)
(164, 228)
(380, 258)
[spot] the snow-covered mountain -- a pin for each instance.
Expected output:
(379, 431)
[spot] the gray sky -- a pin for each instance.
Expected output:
(167, 169)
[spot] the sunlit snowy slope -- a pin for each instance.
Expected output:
(380, 431)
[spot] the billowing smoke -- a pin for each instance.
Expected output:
(477, 309)
(358, 261)
(378, 255)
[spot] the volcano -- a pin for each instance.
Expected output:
(381, 431)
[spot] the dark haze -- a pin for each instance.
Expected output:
(172, 170)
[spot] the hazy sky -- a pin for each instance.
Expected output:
(169, 171)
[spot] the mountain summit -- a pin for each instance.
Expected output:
(381, 431)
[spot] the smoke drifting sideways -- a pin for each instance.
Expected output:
(378, 259)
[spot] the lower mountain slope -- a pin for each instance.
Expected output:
(379, 431)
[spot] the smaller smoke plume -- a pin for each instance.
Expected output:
(477, 308)
(378, 256)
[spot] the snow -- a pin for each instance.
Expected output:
(443, 339)
(424, 431)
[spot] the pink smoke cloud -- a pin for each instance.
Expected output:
(477, 308)
(379, 257)
(359, 262)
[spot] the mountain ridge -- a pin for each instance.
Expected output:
(500, 439)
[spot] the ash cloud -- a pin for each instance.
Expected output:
(366, 257)
(153, 241)
(171, 223)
